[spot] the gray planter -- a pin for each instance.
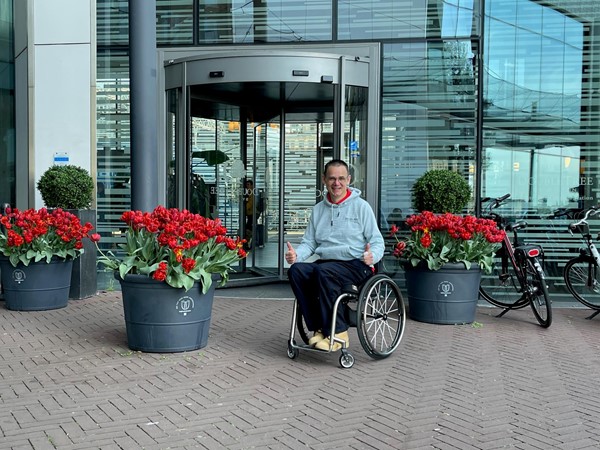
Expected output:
(84, 278)
(160, 318)
(445, 296)
(37, 287)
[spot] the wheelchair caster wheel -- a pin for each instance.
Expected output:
(346, 360)
(292, 352)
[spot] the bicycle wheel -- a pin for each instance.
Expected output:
(538, 295)
(582, 279)
(381, 317)
(502, 290)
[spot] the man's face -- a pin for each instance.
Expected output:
(336, 181)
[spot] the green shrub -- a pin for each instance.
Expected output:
(66, 187)
(441, 191)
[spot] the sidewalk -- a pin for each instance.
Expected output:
(68, 381)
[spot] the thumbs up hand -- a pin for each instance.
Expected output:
(290, 254)
(368, 256)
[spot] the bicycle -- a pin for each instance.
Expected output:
(582, 273)
(519, 280)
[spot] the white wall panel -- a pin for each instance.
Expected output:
(62, 21)
(62, 111)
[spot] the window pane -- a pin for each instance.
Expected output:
(392, 19)
(541, 120)
(112, 22)
(174, 22)
(242, 21)
(113, 147)
(429, 112)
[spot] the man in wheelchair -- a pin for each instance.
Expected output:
(343, 233)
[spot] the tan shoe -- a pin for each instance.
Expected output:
(325, 343)
(317, 337)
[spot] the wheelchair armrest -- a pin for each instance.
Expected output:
(350, 289)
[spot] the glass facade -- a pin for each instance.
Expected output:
(7, 104)
(506, 95)
(539, 118)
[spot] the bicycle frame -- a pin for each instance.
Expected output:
(584, 229)
(516, 254)
(508, 252)
(518, 261)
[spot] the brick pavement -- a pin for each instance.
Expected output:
(68, 381)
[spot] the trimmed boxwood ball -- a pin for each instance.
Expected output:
(66, 187)
(441, 191)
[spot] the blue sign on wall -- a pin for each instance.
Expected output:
(61, 159)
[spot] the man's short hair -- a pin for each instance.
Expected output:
(336, 162)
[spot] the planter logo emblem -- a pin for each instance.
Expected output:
(18, 276)
(445, 288)
(185, 305)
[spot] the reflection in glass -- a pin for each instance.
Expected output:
(171, 147)
(428, 117)
(537, 115)
(355, 150)
(393, 19)
(259, 21)
(265, 160)
(113, 149)
(112, 22)
(174, 22)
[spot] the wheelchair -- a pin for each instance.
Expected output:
(377, 311)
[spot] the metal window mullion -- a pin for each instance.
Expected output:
(183, 142)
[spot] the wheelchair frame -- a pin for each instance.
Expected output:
(380, 319)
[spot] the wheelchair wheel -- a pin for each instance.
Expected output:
(381, 316)
(346, 360)
(292, 352)
(301, 326)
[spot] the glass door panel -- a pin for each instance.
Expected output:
(264, 160)
(303, 167)
(214, 187)
(355, 135)
(172, 143)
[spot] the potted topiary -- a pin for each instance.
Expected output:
(446, 252)
(441, 191)
(71, 188)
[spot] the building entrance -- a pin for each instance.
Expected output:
(248, 135)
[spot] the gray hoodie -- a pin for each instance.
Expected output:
(341, 231)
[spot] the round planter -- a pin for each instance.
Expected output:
(445, 296)
(160, 318)
(38, 286)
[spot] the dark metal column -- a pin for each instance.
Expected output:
(144, 111)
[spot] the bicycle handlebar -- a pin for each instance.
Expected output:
(494, 203)
(570, 213)
(590, 212)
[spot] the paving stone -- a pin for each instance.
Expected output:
(67, 376)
